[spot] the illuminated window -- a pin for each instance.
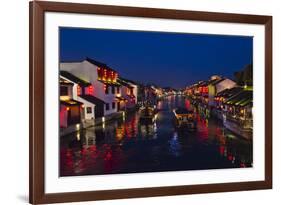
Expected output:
(106, 89)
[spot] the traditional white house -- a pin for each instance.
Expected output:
(82, 91)
(102, 78)
(216, 85)
(70, 109)
(127, 98)
(133, 91)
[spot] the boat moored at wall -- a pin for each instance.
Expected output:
(185, 118)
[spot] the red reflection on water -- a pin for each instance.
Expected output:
(120, 132)
(91, 159)
(83, 151)
(127, 129)
(69, 159)
(160, 105)
(113, 153)
(202, 128)
(92, 148)
(133, 126)
(187, 104)
(108, 155)
(222, 148)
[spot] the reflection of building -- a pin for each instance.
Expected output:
(103, 80)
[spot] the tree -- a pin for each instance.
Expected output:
(245, 76)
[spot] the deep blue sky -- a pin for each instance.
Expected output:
(166, 59)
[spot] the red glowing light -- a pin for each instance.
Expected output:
(187, 104)
(221, 150)
(91, 90)
(108, 156)
(205, 89)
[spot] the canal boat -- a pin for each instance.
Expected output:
(185, 118)
(147, 114)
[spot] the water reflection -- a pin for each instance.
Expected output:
(126, 146)
(174, 145)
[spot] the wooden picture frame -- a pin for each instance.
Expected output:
(37, 193)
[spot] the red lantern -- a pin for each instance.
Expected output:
(91, 90)
(78, 90)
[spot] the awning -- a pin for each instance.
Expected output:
(74, 78)
(110, 83)
(120, 98)
(92, 99)
(70, 102)
(131, 96)
(241, 99)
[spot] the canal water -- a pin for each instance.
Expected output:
(126, 146)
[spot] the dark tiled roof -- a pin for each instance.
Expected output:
(65, 82)
(243, 98)
(183, 111)
(120, 98)
(216, 81)
(192, 86)
(129, 81)
(110, 83)
(99, 64)
(124, 83)
(203, 83)
(73, 78)
(229, 92)
(91, 60)
(92, 99)
(70, 102)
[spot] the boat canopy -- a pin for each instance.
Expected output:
(183, 111)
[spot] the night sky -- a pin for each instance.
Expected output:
(165, 59)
